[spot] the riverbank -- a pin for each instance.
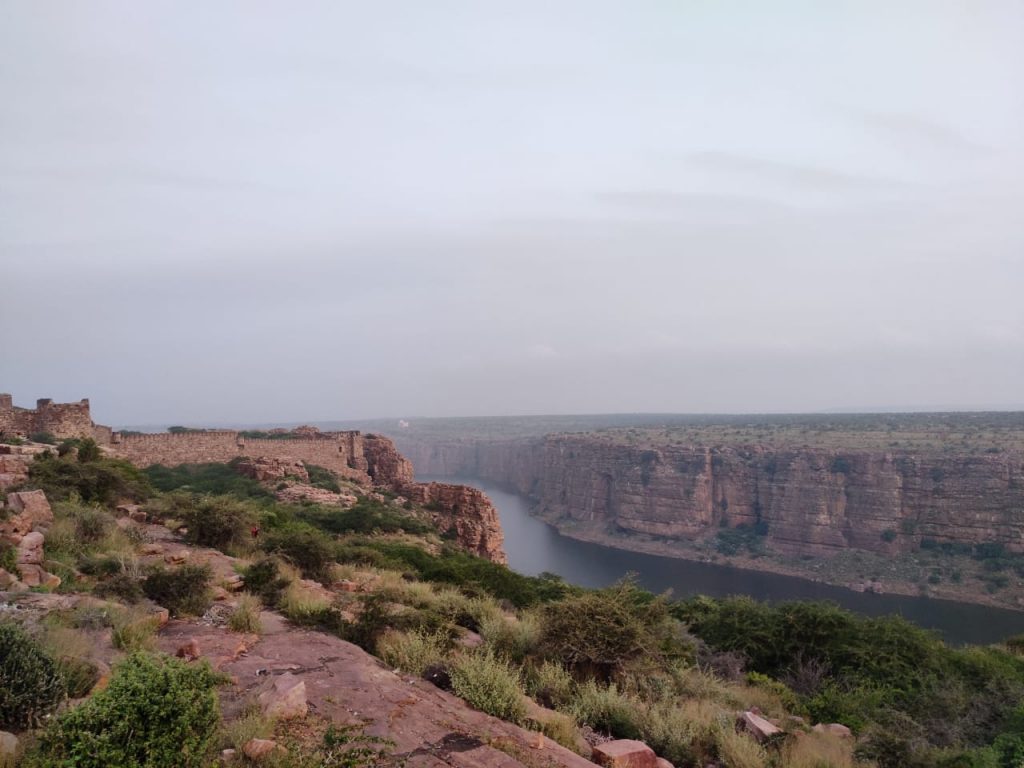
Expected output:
(926, 574)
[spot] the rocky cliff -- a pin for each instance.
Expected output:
(806, 499)
(464, 512)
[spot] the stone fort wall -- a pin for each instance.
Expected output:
(59, 419)
(341, 452)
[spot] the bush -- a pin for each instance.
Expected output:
(31, 685)
(133, 630)
(88, 451)
(101, 481)
(263, 579)
(550, 684)
(220, 522)
(220, 479)
(306, 548)
(606, 709)
(412, 652)
(184, 591)
(121, 586)
(321, 477)
(489, 684)
(513, 639)
(156, 713)
(43, 437)
(366, 516)
(599, 632)
(80, 675)
(246, 616)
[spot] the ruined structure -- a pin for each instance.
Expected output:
(361, 458)
(62, 420)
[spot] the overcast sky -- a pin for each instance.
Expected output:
(275, 211)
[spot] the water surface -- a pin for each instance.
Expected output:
(534, 547)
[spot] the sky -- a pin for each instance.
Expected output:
(251, 212)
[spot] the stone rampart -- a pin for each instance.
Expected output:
(61, 420)
(339, 452)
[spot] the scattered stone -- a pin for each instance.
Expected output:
(152, 549)
(189, 651)
(835, 729)
(345, 585)
(625, 753)
(220, 594)
(469, 639)
(285, 698)
(227, 755)
(264, 468)
(177, 558)
(32, 506)
(161, 616)
(8, 744)
(256, 749)
(234, 582)
(758, 727)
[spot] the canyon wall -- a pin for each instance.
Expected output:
(806, 499)
(464, 512)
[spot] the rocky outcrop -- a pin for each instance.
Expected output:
(267, 468)
(806, 499)
(464, 512)
(297, 493)
(384, 463)
(22, 524)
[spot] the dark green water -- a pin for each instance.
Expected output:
(534, 547)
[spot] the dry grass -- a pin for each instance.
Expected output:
(299, 601)
(246, 616)
(412, 652)
(134, 629)
(738, 750)
(818, 750)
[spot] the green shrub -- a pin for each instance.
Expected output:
(183, 591)
(321, 477)
(601, 631)
(8, 557)
(121, 586)
(305, 547)
(88, 451)
(550, 684)
(606, 709)
(43, 437)
(79, 675)
(412, 652)
(221, 479)
(366, 516)
(220, 522)
(101, 481)
(246, 615)
(512, 638)
(489, 684)
(31, 685)
(156, 713)
(263, 579)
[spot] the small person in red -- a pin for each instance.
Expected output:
(255, 531)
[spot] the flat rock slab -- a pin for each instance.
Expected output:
(345, 684)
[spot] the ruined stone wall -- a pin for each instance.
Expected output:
(59, 419)
(333, 452)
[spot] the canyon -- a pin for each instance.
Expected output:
(804, 496)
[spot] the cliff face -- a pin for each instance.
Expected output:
(809, 500)
(466, 513)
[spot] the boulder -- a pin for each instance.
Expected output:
(758, 727)
(257, 749)
(285, 698)
(625, 753)
(31, 505)
(663, 763)
(835, 729)
(30, 549)
(8, 745)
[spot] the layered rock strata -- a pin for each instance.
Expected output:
(464, 512)
(806, 499)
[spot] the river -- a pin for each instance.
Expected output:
(534, 547)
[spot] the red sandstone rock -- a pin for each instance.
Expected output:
(257, 749)
(465, 511)
(758, 727)
(297, 493)
(835, 729)
(625, 753)
(266, 468)
(285, 698)
(663, 763)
